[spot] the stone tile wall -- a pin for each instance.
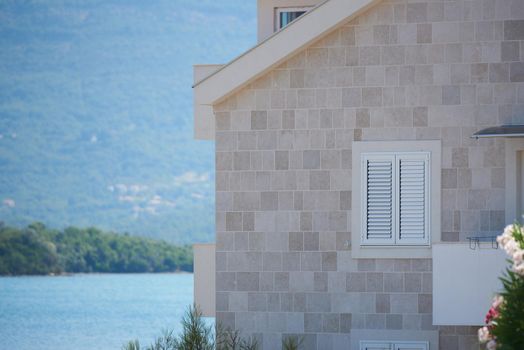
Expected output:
(405, 70)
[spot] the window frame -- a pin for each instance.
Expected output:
(279, 10)
(358, 250)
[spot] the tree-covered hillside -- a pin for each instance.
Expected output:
(96, 112)
(37, 250)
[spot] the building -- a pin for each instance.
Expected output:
(361, 170)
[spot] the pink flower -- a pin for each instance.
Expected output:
(484, 334)
(508, 241)
(497, 301)
(491, 315)
(491, 345)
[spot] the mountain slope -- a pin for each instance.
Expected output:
(96, 112)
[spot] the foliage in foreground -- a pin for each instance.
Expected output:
(504, 328)
(37, 250)
(228, 339)
(196, 335)
(510, 324)
(291, 343)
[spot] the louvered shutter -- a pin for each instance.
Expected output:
(386, 345)
(370, 345)
(378, 200)
(412, 199)
(411, 346)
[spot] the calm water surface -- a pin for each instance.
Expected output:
(90, 311)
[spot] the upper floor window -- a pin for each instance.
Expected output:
(286, 15)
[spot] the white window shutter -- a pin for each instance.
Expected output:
(378, 177)
(371, 345)
(412, 346)
(412, 216)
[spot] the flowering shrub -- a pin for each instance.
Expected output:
(485, 333)
(504, 329)
(512, 241)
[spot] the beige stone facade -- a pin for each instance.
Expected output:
(404, 70)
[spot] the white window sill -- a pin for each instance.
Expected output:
(391, 252)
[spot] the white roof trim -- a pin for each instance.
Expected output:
(254, 63)
(196, 83)
(277, 48)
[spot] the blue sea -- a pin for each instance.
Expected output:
(94, 311)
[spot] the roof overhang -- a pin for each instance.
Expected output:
(254, 63)
(500, 131)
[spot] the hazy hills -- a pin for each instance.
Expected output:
(96, 112)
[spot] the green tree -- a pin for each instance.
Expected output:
(196, 335)
(26, 252)
(509, 330)
(39, 250)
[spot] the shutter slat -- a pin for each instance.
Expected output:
(378, 175)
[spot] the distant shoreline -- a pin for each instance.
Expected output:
(37, 250)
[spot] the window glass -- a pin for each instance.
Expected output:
(286, 17)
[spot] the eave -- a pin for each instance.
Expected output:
(270, 53)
